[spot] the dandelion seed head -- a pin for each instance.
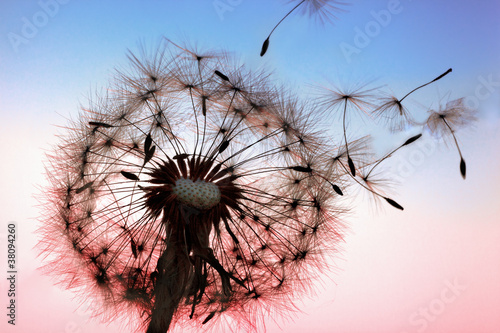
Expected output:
(191, 192)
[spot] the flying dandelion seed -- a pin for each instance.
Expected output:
(357, 99)
(394, 113)
(321, 10)
(447, 120)
(192, 192)
(372, 180)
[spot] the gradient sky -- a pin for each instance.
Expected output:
(441, 254)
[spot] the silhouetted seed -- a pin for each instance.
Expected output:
(181, 164)
(147, 143)
(129, 175)
(264, 47)
(230, 232)
(223, 146)
(210, 316)
(222, 76)
(134, 248)
(394, 203)
(99, 124)
(220, 174)
(442, 75)
(214, 171)
(84, 187)
(266, 42)
(204, 105)
(351, 166)
(180, 156)
(337, 189)
(301, 169)
(412, 139)
(149, 155)
(462, 167)
(419, 87)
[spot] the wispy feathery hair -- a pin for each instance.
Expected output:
(455, 115)
(366, 176)
(190, 192)
(359, 98)
(445, 121)
(375, 183)
(345, 102)
(321, 10)
(392, 111)
(374, 180)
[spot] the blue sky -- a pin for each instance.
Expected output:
(394, 263)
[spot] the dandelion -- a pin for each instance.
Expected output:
(190, 193)
(447, 120)
(371, 180)
(395, 113)
(322, 10)
(366, 176)
(357, 99)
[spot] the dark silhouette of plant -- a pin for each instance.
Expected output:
(445, 121)
(193, 189)
(321, 10)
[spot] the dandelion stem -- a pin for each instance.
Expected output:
(270, 135)
(216, 149)
(177, 146)
(285, 17)
(266, 42)
(410, 140)
(196, 121)
(462, 161)
(389, 200)
(439, 77)
(204, 108)
(349, 160)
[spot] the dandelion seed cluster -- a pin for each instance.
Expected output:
(192, 191)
